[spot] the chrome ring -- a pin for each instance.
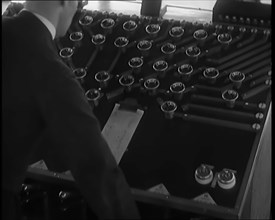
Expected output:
(185, 69)
(177, 87)
(168, 107)
(161, 63)
(211, 73)
(107, 23)
(236, 76)
(66, 52)
(230, 95)
(92, 94)
(177, 31)
(151, 84)
(224, 38)
(86, 20)
(193, 51)
(152, 28)
(98, 39)
(135, 62)
(200, 34)
(121, 42)
(168, 48)
(76, 36)
(102, 76)
(129, 25)
(126, 80)
(144, 45)
(80, 73)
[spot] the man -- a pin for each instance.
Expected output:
(45, 112)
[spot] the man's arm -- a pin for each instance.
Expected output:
(81, 147)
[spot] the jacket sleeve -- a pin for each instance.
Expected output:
(79, 144)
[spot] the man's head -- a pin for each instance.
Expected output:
(60, 13)
(67, 12)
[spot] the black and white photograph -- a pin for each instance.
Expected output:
(136, 109)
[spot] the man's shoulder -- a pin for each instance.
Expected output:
(12, 26)
(54, 69)
(8, 22)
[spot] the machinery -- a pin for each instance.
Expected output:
(200, 94)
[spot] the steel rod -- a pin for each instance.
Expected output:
(223, 112)
(217, 122)
(114, 61)
(238, 52)
(244, 57)
(255, 91)
(92, 58)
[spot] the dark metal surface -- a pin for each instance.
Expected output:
(206, 127)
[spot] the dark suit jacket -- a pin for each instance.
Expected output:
(45, 112)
